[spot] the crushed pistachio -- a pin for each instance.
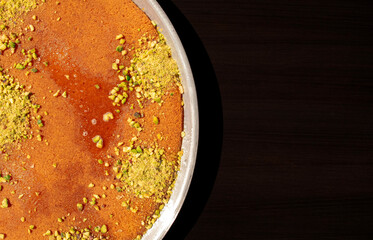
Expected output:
(31, 56)
(73, 234)
(104, 229)
(40, 123)
(119, 36)
(56, 94)
(15, 108)
(119, 94)
(5, 203)
(152, 70)
(80, 206)
(134, 124)
(39, 138)
(155, 120)
(96, 138)
(5, 177)
(10, 9)
(99, 141)
(114, 66)
(93, 201)
(108, 116)
(119, 49)
(145, 171)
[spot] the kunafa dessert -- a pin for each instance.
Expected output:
(91, 120)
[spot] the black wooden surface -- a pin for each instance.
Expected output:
(285, 94)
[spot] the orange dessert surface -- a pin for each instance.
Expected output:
(91, 120)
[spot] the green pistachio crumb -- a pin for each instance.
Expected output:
(10, 10)
(104, 229)
(100, 143)
(5, 203)
(20, 66)
(108, 116)
(79, 206)
(119, 49)
(119, 36)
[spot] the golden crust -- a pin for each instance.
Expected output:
(52, 176)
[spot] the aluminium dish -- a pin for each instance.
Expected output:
(191, 123)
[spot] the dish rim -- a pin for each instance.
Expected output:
(191, 121)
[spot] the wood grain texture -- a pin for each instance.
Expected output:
(295, 79)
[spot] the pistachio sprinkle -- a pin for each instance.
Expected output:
(74, 234)
(145, 171)
(99, 141)
(10, 9)
(153, 70)
(5, 203)
(15, 108)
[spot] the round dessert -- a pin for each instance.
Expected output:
(91, 120)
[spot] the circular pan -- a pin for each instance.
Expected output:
(191, 125)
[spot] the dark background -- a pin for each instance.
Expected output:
(285, 92)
